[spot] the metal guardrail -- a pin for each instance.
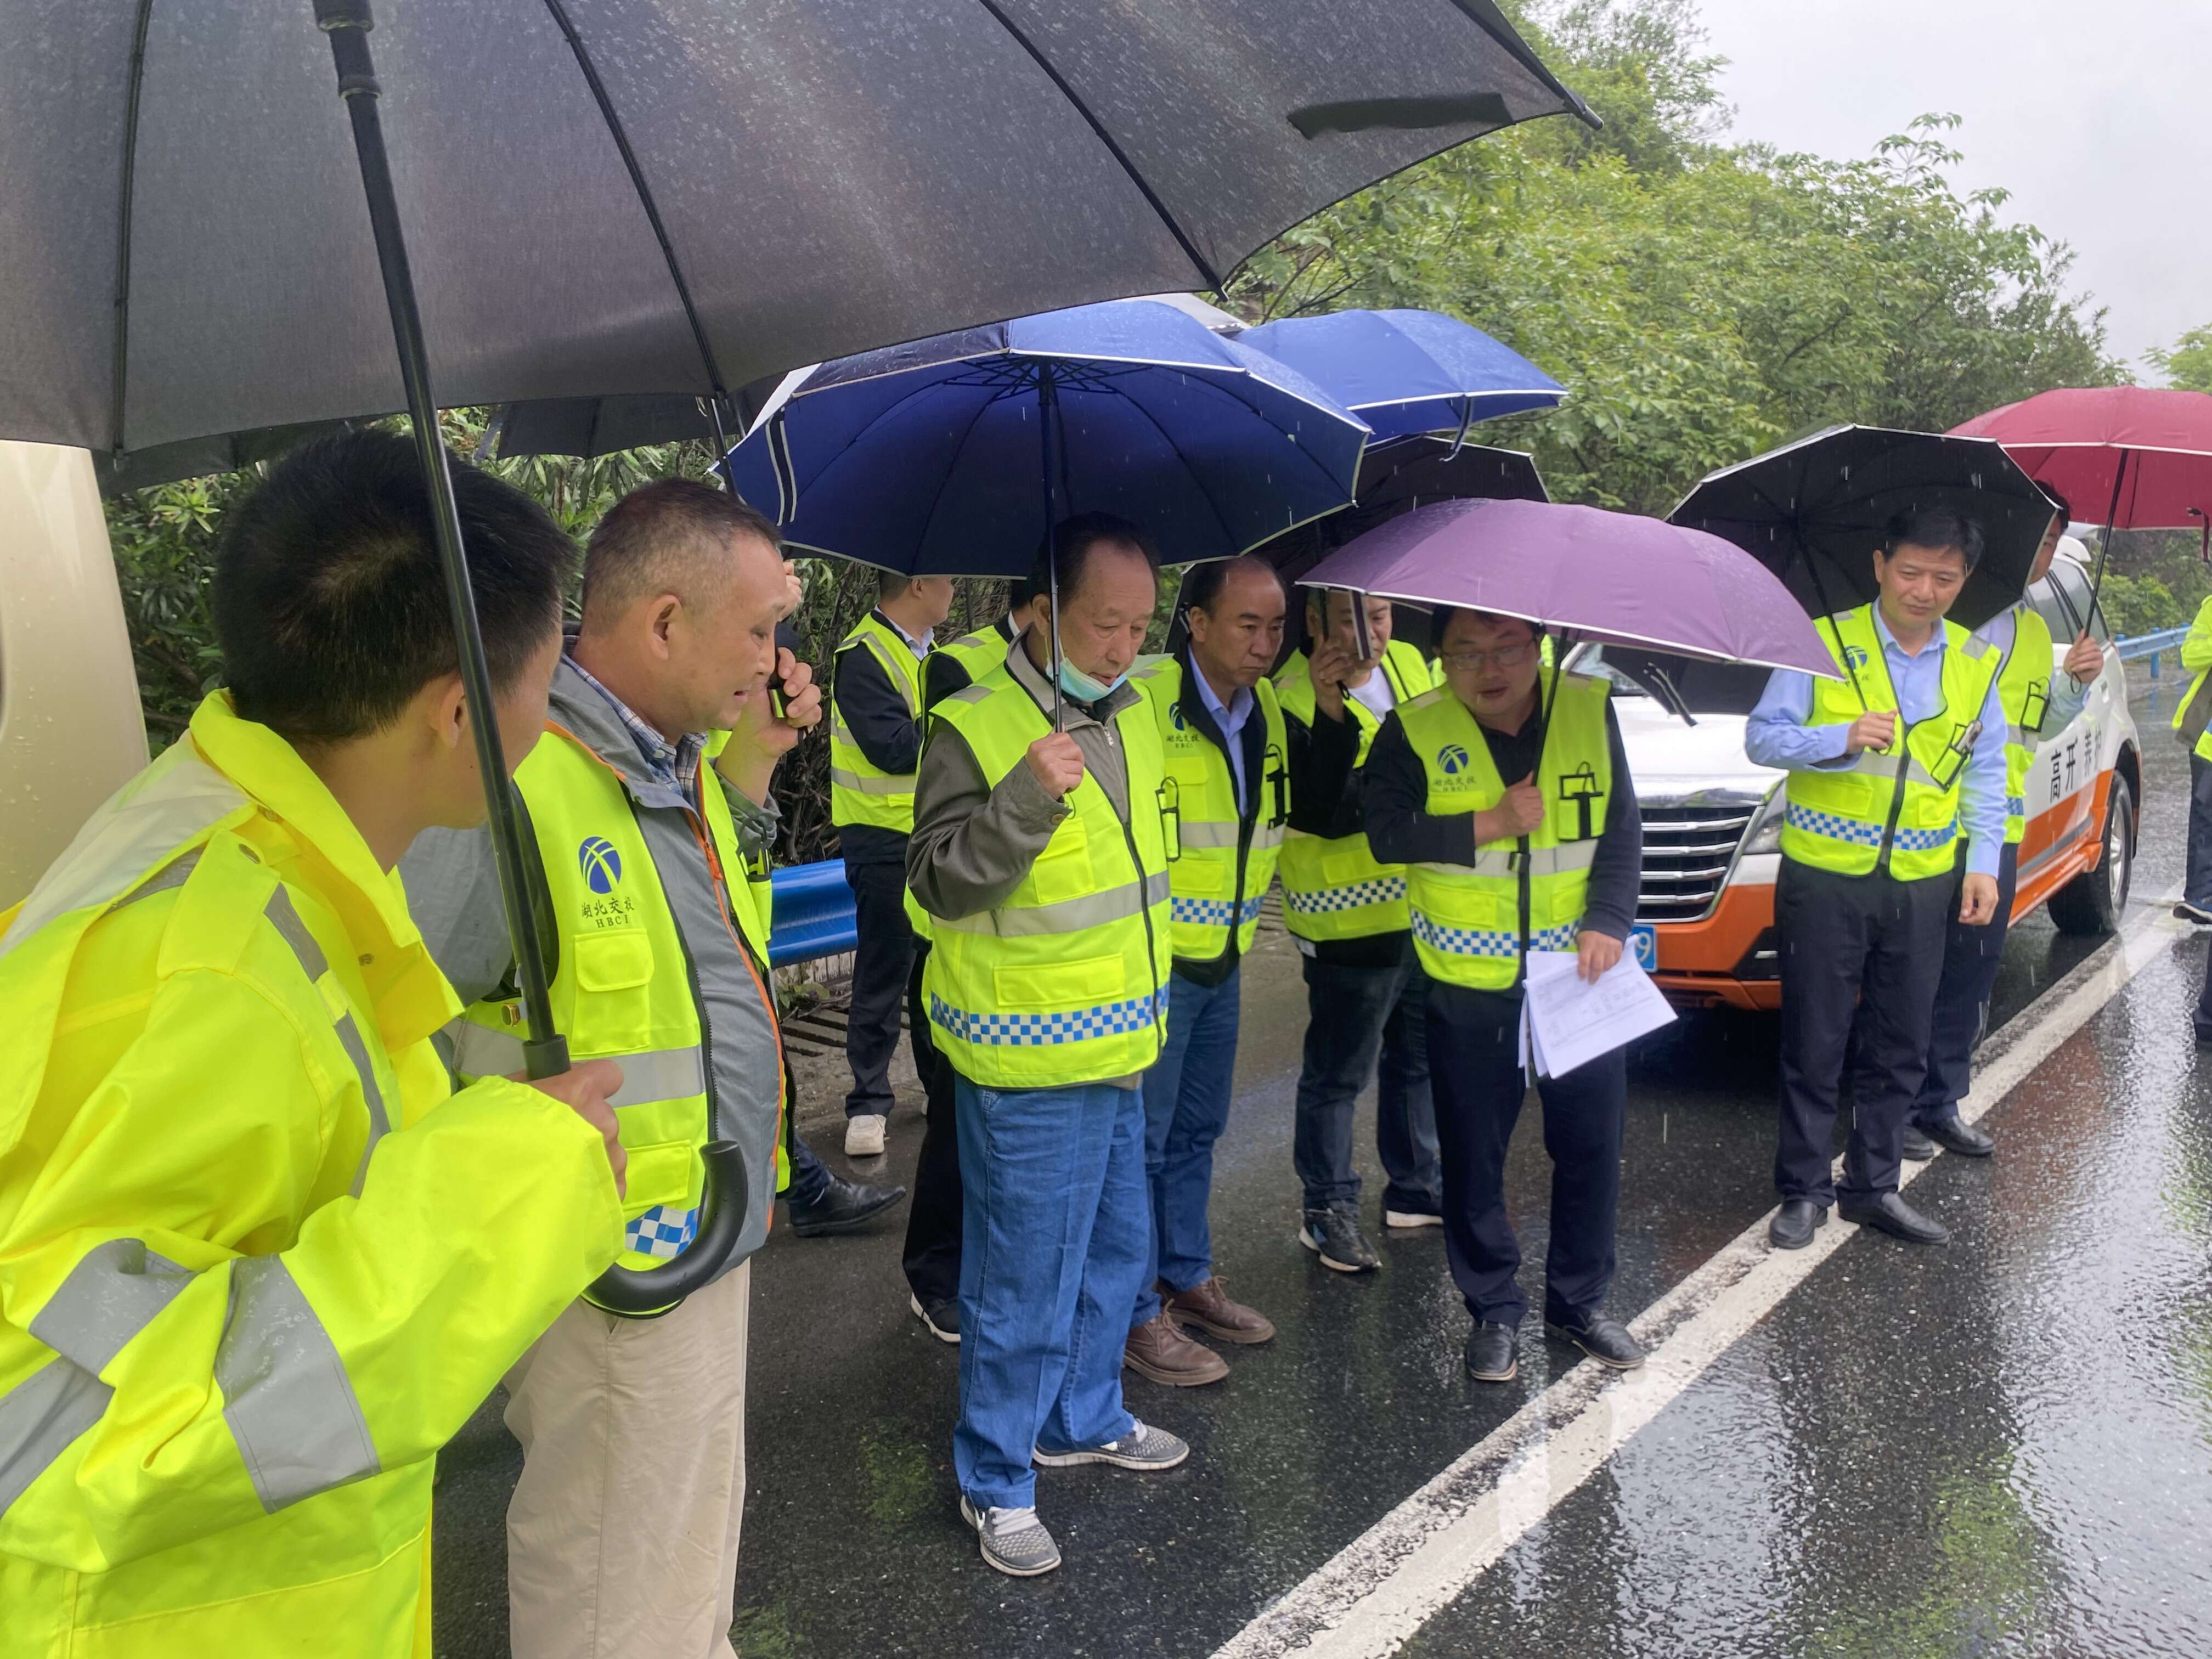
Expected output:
(2151, 645)
(813, 916)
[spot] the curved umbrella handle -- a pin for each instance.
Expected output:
(638, 1293)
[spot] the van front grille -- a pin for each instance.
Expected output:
(1686, 853)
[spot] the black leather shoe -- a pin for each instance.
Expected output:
(1957, 1135)
(1793, 1224)
(1893, 1216)
(1606, 1340)
(845, 1206)
(1490, 1356)
(1917, 1148)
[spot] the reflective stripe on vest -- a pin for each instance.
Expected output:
(1066, 980)
(2024, 690)
(1332, 887)
(1887, 809)
(1222, 863)
(860, 791)
(1468, 920)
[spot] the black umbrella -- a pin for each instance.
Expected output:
(1813, 511)
(673, 199)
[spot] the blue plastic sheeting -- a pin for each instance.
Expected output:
(813, 915)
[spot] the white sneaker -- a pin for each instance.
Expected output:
(864, 1136)
(1398, 1220)
(1013, 1540)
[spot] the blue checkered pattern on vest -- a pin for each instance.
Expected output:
(1387, 889)
(1926, 841)
(661, 1231)
(1213, 910)
(2016, 806)
(1474, 942)
(1038, 1030)
(1828, 824)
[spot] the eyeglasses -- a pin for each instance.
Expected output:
(1506, 656)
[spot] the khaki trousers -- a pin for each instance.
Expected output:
(622, 1539)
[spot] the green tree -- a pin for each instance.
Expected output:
(2188, 365)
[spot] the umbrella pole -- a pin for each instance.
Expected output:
(1048, 420)
(1821, 593)
(2112, 528)
(348, 22)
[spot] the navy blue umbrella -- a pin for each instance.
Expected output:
(1407, 371)
(931, 458)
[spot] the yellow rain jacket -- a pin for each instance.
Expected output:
(256, 1266)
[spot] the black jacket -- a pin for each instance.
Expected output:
(874, 710)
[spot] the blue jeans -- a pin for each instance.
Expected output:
(1053, 1242)
(1186, 1109)
(1364, 1021)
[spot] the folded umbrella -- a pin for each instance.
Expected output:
(1815, 511)
(2141, 454)
(1405, 372)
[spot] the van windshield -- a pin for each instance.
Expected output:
(1703, 688)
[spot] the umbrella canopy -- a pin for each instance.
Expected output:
(615, 199)
(1615, 577)
(1404, 372)
(2141, 456)
(929, 458)
(1813, 511)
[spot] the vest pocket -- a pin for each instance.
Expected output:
(1062, 870)
(614, 976)
(1090, 983)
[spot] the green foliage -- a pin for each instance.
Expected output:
(2188, 366)
(163, 541)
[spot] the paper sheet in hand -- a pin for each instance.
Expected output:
(1573, 1022)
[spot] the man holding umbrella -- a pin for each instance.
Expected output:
(1040, 850)
(1888, 766)
(2036, 700)
(1506, 794)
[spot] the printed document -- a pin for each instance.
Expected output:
(1567, 1022)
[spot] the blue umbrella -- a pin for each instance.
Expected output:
(949, 456)
(1407, 371)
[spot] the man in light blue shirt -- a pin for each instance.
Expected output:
(1857, 937)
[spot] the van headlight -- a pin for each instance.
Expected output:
(1766, 829)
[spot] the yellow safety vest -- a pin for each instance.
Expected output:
(1220, 866)
(1332, 887)
(1471, 924)
(1065, 982)
(861, 792)
(2193, 715)
(259, 1262)
(1896, 807)
(623, 989)
(2024, 688)
(978, 653)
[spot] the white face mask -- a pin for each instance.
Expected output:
(1081, 687)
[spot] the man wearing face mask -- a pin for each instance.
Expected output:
(1221, 734)
(1040, 852)
(650, 814)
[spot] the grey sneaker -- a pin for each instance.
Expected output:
(1334, 1235)
(1143, 1448)
(1013, 1540)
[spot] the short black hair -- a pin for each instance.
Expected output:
(329, 599)
(1441, 618)
(1202, 584)
(662, 536)
(2065, 507)
(1935, 528)
(1022, 591)
(890, 584)
(1071, 543)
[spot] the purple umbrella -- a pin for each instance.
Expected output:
(1615, 577)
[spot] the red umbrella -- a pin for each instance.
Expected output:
(2144, 451)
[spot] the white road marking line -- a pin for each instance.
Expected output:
(1371, 1598)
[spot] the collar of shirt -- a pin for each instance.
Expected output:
(1231, 718)
(918, 647)
(675, 764)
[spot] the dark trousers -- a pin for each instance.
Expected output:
(932, 1258)
(1971, 956)
(1475, 1074)
(1848, 941)
(2197, 885)
(881, 958)
(1363, 1022)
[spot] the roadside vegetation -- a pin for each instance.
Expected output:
(1701, 300)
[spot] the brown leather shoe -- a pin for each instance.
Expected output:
(1207, 1308)
(1158, 1351)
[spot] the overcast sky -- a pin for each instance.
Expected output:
(2097, 118)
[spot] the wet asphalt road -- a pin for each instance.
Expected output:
(2001, 1448)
